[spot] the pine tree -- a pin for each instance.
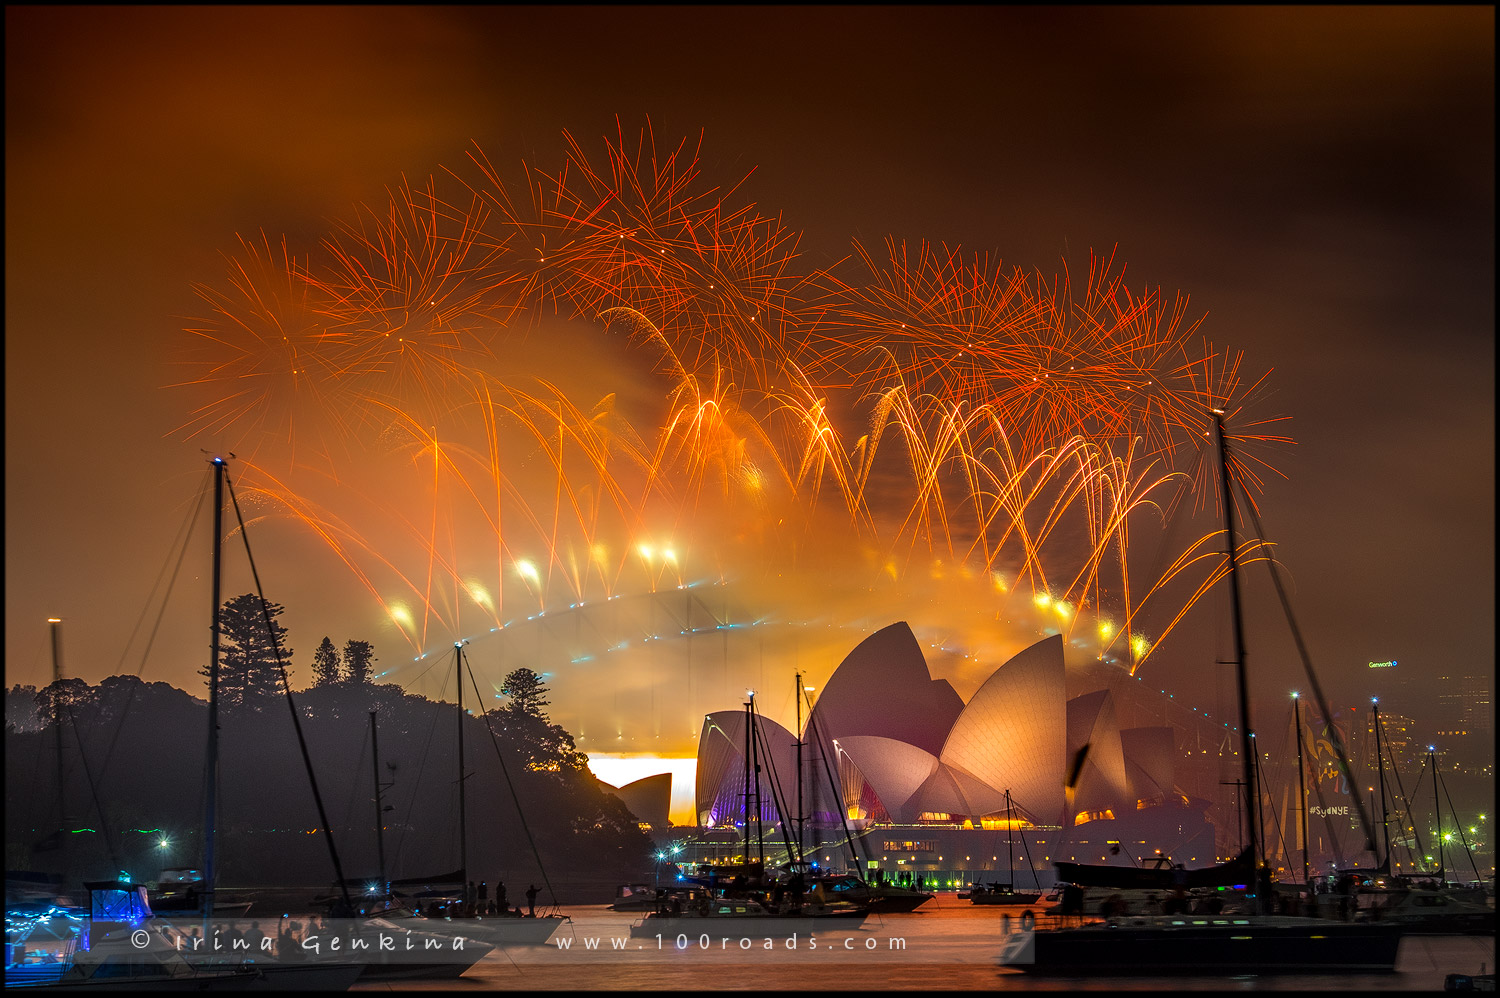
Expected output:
(544, 746)
(248, 673)
(325, 665)
(525, 692)
(358, 657)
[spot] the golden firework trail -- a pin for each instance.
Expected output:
(576, 372)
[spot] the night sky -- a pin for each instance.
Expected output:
(1320, 182)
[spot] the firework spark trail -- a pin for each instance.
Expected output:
(343, 540)
(409, 294)
(1110, 364)
(262, 338)
(717, 283)
(993, 400)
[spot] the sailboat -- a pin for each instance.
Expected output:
(740, 903)
(454, 910)
(851, 886)
(124, 945)
(1427, 903)
(1252, 943)
(1006, 893)
(442, 960)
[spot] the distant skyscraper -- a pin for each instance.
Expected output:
(1464, 705)
(1401, 738)
(1465, 724)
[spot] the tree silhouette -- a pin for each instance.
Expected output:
(143, 744)
(21, 712)
(544, 746)
(66, 698)
(525, 692)
(248, 676)
(358, 657)
(325, 664)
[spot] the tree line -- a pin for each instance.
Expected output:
(253, 652)
(133, 761)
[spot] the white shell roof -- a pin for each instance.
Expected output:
(1152, 753)
(883, 688)
(649, 799)
(1012, 734)
(895, 769)
(921, 749)
(1101, 783)
(721, 762)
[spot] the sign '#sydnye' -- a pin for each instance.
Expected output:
(1320, 812)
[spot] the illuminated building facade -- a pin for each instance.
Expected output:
(935, 788)
(1465, 707)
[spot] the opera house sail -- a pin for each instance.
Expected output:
(922, 777)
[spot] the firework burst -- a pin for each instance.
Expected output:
(569, 374)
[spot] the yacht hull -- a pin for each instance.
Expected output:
(999, 897)
(1252, 945)
(674, 929)
(495, 930)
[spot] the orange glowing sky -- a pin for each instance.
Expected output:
(1321, 182)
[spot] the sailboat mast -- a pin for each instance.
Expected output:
(747, 783)
(57, 737)
(806, 691)
(760, 837)
(1247, 735)
(801, 816)
(379, 811)
(1385, 817)
(463, 826)
(1437, 808)
(1010, 841)
(1301, 782)
(211, 760)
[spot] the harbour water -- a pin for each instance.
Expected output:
(948, 944)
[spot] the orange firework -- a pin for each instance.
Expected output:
(638, 234)
(569, 381)
(1107, 364)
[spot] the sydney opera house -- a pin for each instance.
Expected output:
(929, 786)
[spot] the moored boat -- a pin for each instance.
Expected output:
(1255, 942)
(120, 945)
(696, 912)
(178, 892)
(1248, 944)
(634, 897)
(884, 898)
(1002, 894)
(1006, 893)
(1432, 912)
